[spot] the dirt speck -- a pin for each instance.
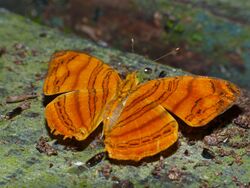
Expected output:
(157, 171)
(44, 147)
(243, 120)
(34, 52)
(3, 50)
(95, 159)
(222, 152)
(186, 153)
(174, 174)
(18, 110)
(123, 184)
(42, 34)
(19, 46)
(18, 62)
(240, 184)
(106, 171)
(211, 140)
(207, 154)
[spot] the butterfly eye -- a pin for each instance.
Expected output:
(148, 70)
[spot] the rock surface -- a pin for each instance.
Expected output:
(31, 157)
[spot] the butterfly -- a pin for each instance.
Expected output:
(136, 117)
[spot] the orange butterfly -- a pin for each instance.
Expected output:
(136, 120)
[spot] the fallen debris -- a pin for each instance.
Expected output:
(207, 154)
(18, 110)
(96, 159)
(3, 50)
(106, 171)
(44, 147)
(157, 171)
(20, 98)
(174, 174)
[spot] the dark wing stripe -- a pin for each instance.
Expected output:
(189, 92)
(143, 96)
(78, 109)
(163, 132)
(195, 104)
(52, 72)
(212, 86)
(58, 83)
(79, 72)
(142, 124)
(105, 88)
(62, 114)
(92, 97)
(138, 112)
(192, 115)
(230, 88)
(165, 95)
(219, 90)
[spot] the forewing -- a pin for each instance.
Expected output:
(195, 99)
(139, 132)
(76, 114)
(70, 71)
(86, 85)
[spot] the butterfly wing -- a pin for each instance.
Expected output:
(195, 99)
(141, 130)
(75, 114)
(86, 84)
(144, 127)
(70, 71)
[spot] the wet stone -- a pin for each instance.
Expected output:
(207, 154)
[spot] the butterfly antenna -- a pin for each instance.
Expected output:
(132, 45)
(172, 52)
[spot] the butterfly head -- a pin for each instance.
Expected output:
(128, 85)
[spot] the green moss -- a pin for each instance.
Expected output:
(21, 163)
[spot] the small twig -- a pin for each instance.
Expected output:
(18, 110)
(20, 98)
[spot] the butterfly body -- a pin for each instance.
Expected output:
(136, 120)
(115, 107)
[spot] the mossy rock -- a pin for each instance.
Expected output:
(25, 50)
